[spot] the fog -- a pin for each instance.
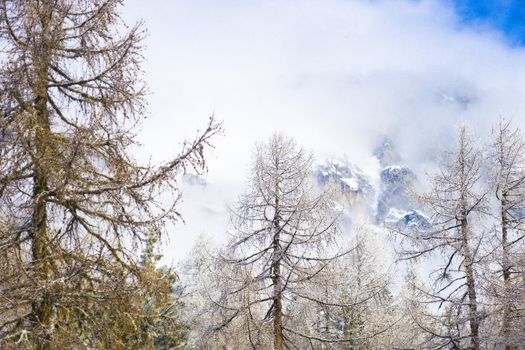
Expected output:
(334, 74)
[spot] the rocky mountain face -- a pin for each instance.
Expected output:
(385, 152)
(390, 202)
(411, 220)
(395, 204)
(353, 183)
(394, 190)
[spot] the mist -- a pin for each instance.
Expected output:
(336, 75)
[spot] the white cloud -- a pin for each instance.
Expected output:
(332, 73)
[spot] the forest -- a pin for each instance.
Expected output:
(314, 259)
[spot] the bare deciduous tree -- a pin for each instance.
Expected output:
(457, 202)
(507, 175)
(281, 243)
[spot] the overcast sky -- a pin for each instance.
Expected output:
(335, 74)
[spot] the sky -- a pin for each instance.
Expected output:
(507, 16)
(336, 75)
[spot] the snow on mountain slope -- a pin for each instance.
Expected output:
(354, 184)
(390, 202)
(350, 177)
(386, 153)
(394, 191)
(411, 220)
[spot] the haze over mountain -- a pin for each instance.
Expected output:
(336, 75)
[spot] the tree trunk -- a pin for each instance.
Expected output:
(505, 329)
(42, 310)
(278, 337)
(277, 301)
(471, 288)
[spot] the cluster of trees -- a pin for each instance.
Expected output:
(75, 207)
(284, 281)
(475, 245)
(287, 279)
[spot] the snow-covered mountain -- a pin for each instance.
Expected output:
(395, 204)
(394, 190)
(389, 202)
(353, 182)
(411, 220)
(386, 153)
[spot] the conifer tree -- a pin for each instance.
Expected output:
(457, 202)
(74, 203)
(507, 180)
(283, 240)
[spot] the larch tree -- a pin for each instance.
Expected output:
(453, 243)
(201, 283)
(73, 201)
(507, 179)
(356, 308)
(284, 238)
(370, 321)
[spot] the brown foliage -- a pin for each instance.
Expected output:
(74, 204)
